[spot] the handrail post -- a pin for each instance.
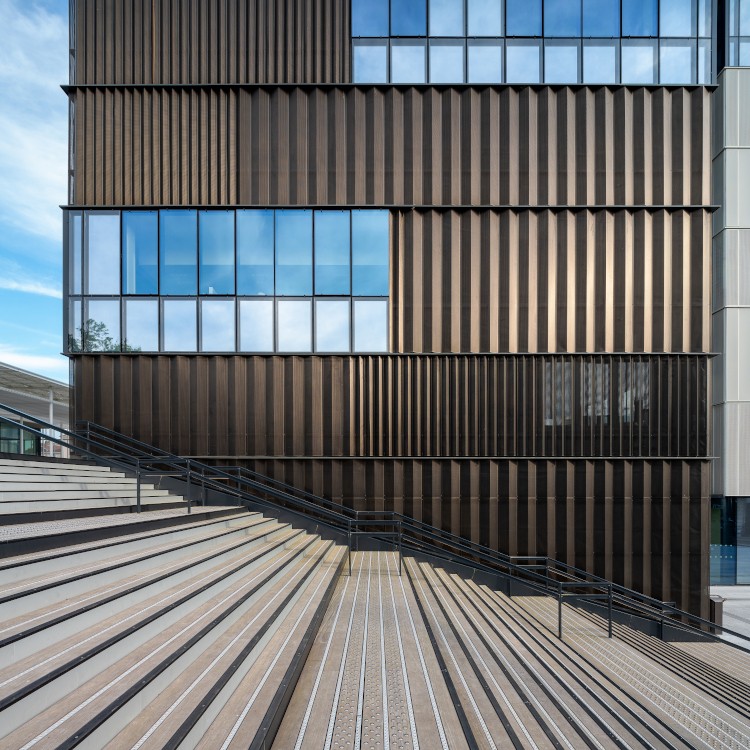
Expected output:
(609, 611)
(559, 610)
(203, 487)
(349, 525)
(187, 471)
(138, 485)
(400, 547)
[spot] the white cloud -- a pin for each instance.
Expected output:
(52, 367)
(30, 287)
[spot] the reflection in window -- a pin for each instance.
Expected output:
(332, 252)
(638, 61)
(704, 61)
(485, 18)
(677, 62)
(522, 62)
(704, 17)
(677, 17)
(256, 325)
(523, 18)
(370, 61)
(446, 62)
(408, 61)
(370, 325)
(485, 59)
(558, 393)
(294, 252)
(141, 325)
(561, 62)
(179, 325)
(562, 18)
(332, 326)
(103, 253)
(101, 331)
(294, 322)
(369, 17)
(75, 320)
(601, 18)
(75, 250)
(217, 325)
(216, 248)
(140, 252)
(255, 252)
(178, 252)
(446, 17)
(370, 253)
(639, 17)
(600, 62)
(408, 17)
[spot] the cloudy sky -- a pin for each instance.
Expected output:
(33, 146)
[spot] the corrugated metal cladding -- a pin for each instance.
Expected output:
(491, 146)
(216, 41)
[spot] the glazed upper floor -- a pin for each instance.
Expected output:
(189, 42)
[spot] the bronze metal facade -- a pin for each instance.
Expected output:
(549, 283)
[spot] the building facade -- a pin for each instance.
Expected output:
(451, 257)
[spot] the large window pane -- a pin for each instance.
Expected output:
(677, 18)
(638, 61)
(677, 62)
(216, 252)
(446, 17)
(217, 325)
(75, 321)
(369, 17)
(293, 252)
(178, 252)
(101, 331)
(562, 18)
(744, 19)
(408, 18)
(103, 252)
(370, 245)
(446, 62)
(485, 17)
(639, 18)
(140, 252)
(332, 252)
(600, 62)
(601, 18)
(408, 61)
(485, 61)
(75, 253)
(523, 18)
(141, 325)
(255, 252)
(256, 325)
(294, 326)
(332, 326)
(179, 325)
(370, 61)
(370, 325)
(704, 17)
(522, 62)
(561, 62)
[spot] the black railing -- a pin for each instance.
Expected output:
(540, 574)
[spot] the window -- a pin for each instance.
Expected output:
(408, 18)
(561, 62)
(255, 240)
(140, 252)
(332, 252)
(332, 326)
(446, 17)
(370, 325)
(370, 61)
(294, 325)
(446, 61)
(523, 18)
(677, 61)
(522, 62)
(217, 325)
(485, 17)
(369, 17)
(141, 325)
(601, 18)
(600, 61)
(216, 249)
(256, 325)
(639, 61)
(677, 17)
(562, 18)
(408, 61)
(179, 325)
(75, 252)
(294, 252)
(178, 252)
(101, 330)
(75, 321)
(485, 61)
(370, 253)
(102, 252)
(639, 17)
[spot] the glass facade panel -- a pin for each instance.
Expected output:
(216, 252)
(294, 325)
(332, 252)
(370, 61)
(75, 319)
(704, 61)
(217, 325)
(255, 240)
(408, 64)
(677, 17)
(600, 61)
(178, 252)
(523, 18)
(485, 17)
(103, 253)
(601, 18)
(369, 17)
(256, 325)
(75, 253)
(744, 19)
(485, 61)
(408, 17)
(562, 18)
(522, 62)
(370, 325)
(140, 252)
(101, 331)
(677, 62)
(293, 252)
(561, 62)
(639, 18)
(179, 325)
(446, 17)
(370, 253)
(141, 325)
(704, 17)
(332, 326)
(639, 61)
(446, 61)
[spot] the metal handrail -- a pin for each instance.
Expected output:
(558, 579)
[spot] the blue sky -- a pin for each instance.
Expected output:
(33, 165)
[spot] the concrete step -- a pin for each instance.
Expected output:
(13, 510)
(10, 465)
(124, 490)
